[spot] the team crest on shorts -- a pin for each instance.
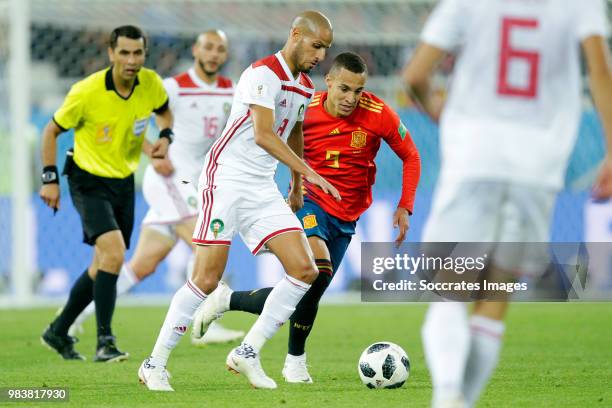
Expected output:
(192, 201)
(310, 221)
(216, 226)
(358, 139)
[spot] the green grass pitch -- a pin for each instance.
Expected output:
(555, 355)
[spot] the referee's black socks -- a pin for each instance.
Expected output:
(80, 296)
(105, 294)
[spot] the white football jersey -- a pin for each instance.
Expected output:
(515, 97)
(268, 83)
(200, 113)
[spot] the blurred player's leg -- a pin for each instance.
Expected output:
(80, 295)
(251, 301)
(210, 263)
(446, 341)
(205, 329)
(56, 335)
(487, 329)
(461, 212)
(153, 246)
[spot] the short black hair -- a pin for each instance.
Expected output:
(128, 31)
(349, 61)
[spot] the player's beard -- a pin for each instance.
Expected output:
(209, 73)
(297, 57)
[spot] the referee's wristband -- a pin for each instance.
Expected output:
(167, 133)
(50, 175)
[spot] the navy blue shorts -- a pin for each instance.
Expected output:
(336, 233)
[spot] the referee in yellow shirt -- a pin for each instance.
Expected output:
(109, 111)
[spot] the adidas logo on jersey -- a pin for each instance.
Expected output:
(283, 103)
(194, 105)
(336, 131)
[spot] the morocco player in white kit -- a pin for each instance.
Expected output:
(240, 196)
(200, 100)
(506, 133)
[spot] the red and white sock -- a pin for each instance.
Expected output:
(279, 306)
(486, 341)
(178, 319)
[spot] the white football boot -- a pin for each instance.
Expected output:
(457, 402)
(217, 334)
(211, 309)
(295, 370)
(154, 377)
(244, 360)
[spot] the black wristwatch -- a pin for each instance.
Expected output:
(50, 175)
(167, 133)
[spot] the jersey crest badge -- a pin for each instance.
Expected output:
(358, 139)
(402, 130)
(192, 202)
(260, 91)
(310, 221)
(216, 226)
(104, 135)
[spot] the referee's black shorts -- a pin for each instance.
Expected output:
(104, 204)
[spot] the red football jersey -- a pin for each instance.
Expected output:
(342, 150)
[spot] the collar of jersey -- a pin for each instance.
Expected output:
(110, 85)
(279, 57)
(196, 79)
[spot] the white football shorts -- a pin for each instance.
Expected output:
(251, 207)
(494, 211)
(171, 200)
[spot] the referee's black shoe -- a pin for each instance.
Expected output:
(107, 351)
(64, 345)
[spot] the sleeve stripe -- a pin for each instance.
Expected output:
(372, 103)
(162, 108)
(370, 109)
(63, 129)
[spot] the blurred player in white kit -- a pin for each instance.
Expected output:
(200, 100)
(506, 133)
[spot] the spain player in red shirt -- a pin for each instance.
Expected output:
(343, 130)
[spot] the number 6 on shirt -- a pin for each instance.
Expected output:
(508, 53)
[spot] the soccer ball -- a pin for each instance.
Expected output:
(384, 365)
